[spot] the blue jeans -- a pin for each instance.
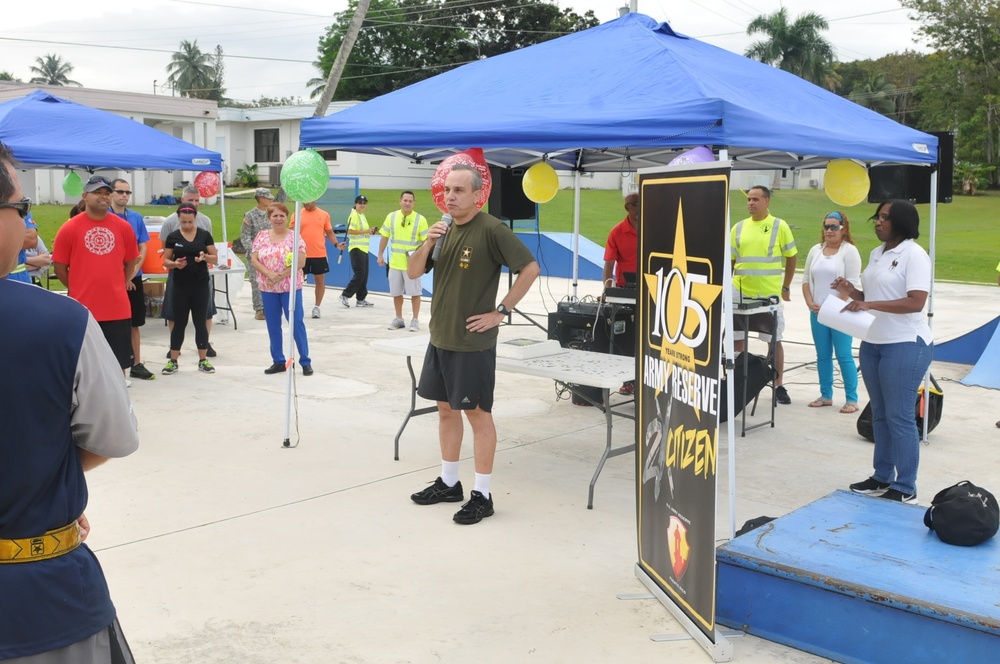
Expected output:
(829, 341)
(276, 304)
(892, 374)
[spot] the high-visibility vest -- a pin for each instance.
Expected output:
(357, 222)
(759, 272)
(405, 238)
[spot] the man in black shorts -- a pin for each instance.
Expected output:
(460, 365)
(315, 230)
(94, 255)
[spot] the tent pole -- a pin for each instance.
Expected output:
(932, 245)
(576, 230)
(222, 207)
(290, 323)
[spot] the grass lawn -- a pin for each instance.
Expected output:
(968, 243)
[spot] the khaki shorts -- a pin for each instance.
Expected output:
(400, 284)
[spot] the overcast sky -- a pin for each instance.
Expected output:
(270, 45)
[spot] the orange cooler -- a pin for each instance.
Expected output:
(154, 248)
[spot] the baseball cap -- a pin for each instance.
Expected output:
(263, 192)
(97, 182)
(964, 515)
(361, 199)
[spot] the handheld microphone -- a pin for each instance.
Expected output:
(446, 218)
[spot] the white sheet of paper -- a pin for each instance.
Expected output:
(854, 323)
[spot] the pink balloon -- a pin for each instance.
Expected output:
(471, 157)
(207, 184)
(697, 155)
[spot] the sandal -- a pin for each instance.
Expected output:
(820, 402)
(849, 407)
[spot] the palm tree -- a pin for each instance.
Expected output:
(874, 92)
(797, 48)
(317, 84)
(7, 76)
(52, 70)
(191, 72)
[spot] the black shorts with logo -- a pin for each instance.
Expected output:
(316, 266)
(465, 380)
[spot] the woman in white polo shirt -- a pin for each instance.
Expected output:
(897, 350)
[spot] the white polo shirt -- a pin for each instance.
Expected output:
(890, 275)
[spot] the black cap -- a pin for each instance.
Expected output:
(361, 199)
(964, 514)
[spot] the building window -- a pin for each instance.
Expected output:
(265, 145)
(328, 155)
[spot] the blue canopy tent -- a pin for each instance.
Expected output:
(625, 95)
(45, 131)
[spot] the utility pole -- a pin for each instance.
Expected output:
(337, 70)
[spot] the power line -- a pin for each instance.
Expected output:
(147, 50)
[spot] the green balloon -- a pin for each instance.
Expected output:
(73, 184)
(304, 176)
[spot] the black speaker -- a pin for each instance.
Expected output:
(913, 183)
(507, 198)
(597, 331)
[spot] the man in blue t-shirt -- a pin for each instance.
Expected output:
(121, 190)
(65, 411)
(20, 271)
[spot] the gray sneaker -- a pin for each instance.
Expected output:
(347, 303)
(316, 312)
(364, 303)
(397, 324)
(414, 325)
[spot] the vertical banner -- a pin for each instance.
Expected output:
(682, 249)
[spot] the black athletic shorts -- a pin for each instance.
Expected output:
(119, 336)
(464, 380)
(137, 299)
(316, 266)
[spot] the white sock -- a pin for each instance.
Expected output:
(483, 484)
(449, 472)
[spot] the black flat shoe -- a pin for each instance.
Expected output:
(275, 368)
(307, 370)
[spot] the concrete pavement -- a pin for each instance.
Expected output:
(221, 546)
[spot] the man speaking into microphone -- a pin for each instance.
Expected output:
(460, 365)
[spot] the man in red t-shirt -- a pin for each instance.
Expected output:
(94, 255)
(623, 245)
(315, 230)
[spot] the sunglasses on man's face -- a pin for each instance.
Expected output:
(23, 207)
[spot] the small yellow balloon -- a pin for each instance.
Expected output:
(846, 182)
(540, 183)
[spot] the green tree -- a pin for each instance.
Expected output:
(191, 72)
(7, 76)
(405, 41)
(874, 92)
(51, 70)
(966, 34)
(218, 91)
(797, 47)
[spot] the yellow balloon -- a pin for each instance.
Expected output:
(846, 182)
(540, 183)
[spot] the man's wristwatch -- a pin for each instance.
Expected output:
(785, 289)
(503, 310)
